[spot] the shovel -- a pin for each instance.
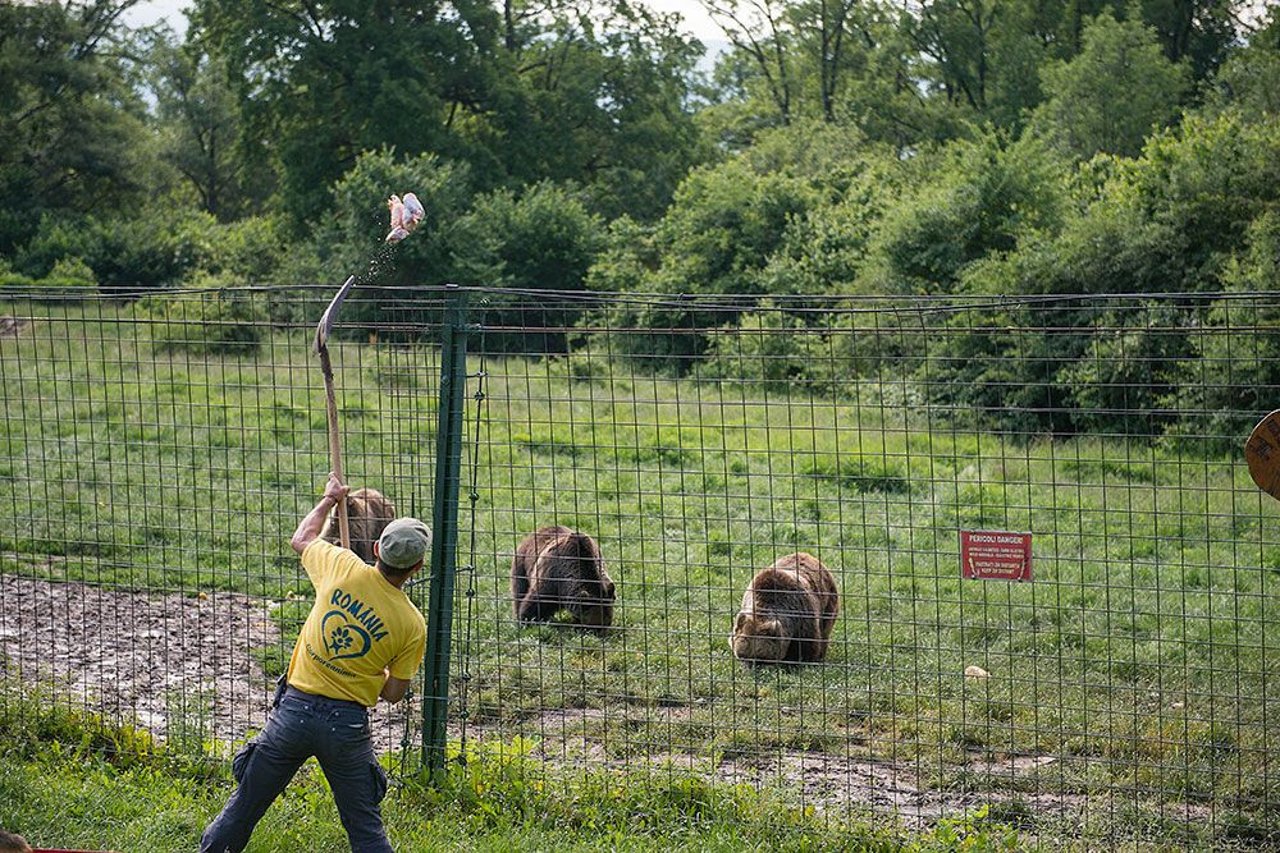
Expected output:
(335, 450)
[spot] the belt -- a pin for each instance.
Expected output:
(316, 697)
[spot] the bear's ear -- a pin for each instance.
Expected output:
(771, 626)
(740, 622)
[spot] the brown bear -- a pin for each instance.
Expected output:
(557, 569)
(787, 614)
(368, 512)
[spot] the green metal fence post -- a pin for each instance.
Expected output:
(444, 526)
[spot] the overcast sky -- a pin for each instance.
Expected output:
(695, 17)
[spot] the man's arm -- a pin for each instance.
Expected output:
(393, 689)
(313, 522)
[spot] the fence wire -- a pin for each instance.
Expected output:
(159, 452)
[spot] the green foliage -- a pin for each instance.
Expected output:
(1249, 81)
(724, 223)
(975, 832)
(717, 237)
(1240, 338)
(543, 239)
(1121, 382)
(556, 93)
(70, 274)
(205, 322)
(764, 348)
(981, 200)
(198, 126)
(71, 123)
(1110, 96)
(350, 241)
(246, 251)
(32, 722)
(124, 254)
(355, 78)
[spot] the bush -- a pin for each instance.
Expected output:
(987, 197)
(248, 251)
(1234, 374)
(1120, 383)
(214, 322)
(151, 251)
(541, 239)
(768, 346)
(350, 241)
(9, 278)
(71, 274)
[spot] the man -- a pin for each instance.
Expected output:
(362, 640)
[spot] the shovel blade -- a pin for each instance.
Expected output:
(331, 313)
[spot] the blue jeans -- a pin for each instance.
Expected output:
(336, 732)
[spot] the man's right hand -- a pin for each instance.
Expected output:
(311, 525)
(335, 488)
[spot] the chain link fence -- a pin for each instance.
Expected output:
(1054, 573)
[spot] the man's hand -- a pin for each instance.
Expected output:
(311, 525)
(335, 488)
(393, 689)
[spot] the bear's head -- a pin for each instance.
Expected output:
(592, 606)
(758, 639)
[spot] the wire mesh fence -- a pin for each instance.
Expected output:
(921, 451)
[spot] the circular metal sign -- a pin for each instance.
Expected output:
(1262, 453)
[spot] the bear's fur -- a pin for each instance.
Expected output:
(788, 613)
(556, 569)
(368, 512)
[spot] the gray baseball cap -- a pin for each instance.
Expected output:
(404, 543)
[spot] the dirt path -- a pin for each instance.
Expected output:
(176, 665)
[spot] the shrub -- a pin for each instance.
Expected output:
(767, 346)
(987, 197)
(71, 274)
(150, 251)
(541, 239)
(215, 321)
(248, 251)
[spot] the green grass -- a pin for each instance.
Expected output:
(71, 781)
(1137, 659)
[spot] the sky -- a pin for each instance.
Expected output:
(696, 18)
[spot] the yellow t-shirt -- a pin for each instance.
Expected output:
(359, 625)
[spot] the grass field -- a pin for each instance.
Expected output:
(1131, 677)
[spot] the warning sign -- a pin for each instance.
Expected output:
(995, 555)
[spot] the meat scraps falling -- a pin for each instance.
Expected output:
(406, 213)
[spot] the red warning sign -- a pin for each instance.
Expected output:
(995, 555)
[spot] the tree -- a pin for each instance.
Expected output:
(1199, 32)
(598, 94)
(71, 122)
(542, 239)
(1250, 78)
(1110, 97)
(320, 83)
(983, 198)
(759, 30)
(595, 92)
(199, 124)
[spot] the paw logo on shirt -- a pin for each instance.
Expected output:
(344, 638)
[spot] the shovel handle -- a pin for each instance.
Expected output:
(335, 447)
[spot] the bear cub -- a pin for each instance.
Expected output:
(368, 512)
(788, 612)
(557, 569)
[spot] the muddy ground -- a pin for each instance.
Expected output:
(177, 665)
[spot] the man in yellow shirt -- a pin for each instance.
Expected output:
(363, 640)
